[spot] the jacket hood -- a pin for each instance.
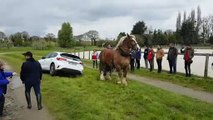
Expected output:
(31, 60)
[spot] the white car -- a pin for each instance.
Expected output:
(61, 61)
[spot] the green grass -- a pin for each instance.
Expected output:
(87, 98)
(195, 82)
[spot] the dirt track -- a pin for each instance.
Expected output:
(15, 106)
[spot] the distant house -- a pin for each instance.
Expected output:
(90, 37)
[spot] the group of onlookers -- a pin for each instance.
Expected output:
(150, 55)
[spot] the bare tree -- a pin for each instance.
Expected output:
(178, 24)
(207, 28)
(93, 35)
(199, 20)
(184, 16)
(50, 36)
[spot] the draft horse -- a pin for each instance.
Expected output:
(118, 59)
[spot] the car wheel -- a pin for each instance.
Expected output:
(52, 69)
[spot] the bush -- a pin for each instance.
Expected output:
(43, 45)
(6, 44)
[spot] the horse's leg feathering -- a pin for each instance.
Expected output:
(102, 76)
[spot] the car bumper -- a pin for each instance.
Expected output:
(70, 71)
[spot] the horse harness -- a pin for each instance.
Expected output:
(123, 52)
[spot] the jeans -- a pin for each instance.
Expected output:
(146, 63)
(132, 64)
(159, 62)
(2, 100)
(151, 63)
(172, 66)
(138, 63)
(95, 63)
(187, 68)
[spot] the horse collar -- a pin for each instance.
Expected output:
(123, 53)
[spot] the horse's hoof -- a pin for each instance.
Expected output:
(102, 77)
(119, 82)
(109, 78)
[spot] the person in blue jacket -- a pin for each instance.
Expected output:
(31, 75)
(3, 85)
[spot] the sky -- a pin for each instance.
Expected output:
(108, 17)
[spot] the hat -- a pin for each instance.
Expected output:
(28, 54)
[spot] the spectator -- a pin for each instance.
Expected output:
(150, 58)
(159, 57)
(138, 58)
(31, 75)
(3, 85)
(132, 60)
(95, 59)
(188, 55)
(109, 46)
(146, 50)
(172, 58)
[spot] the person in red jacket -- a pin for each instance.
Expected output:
(188, 55)
(95, 59)
(3, 85)
(150, 58)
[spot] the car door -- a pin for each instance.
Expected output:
(50, 60)
(44, 62)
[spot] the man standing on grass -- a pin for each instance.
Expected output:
(31, 75)
(146, 50)
(138, 58)
(172, 58)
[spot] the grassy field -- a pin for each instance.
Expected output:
(87, 98)
(195, 82)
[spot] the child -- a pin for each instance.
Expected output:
(3, 85)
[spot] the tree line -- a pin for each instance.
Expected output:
(191, 29)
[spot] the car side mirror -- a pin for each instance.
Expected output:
(43, 57)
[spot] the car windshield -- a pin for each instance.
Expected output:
(70, 56)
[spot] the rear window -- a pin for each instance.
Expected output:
(70, 56)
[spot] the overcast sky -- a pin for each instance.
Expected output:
(108, 17)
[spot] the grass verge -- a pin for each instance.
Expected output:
(87, 98)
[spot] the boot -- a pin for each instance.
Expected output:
(27, 95)
(38, 98)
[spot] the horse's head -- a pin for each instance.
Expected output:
(131, 42)
(128, 42)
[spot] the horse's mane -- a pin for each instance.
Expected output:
(122, 39)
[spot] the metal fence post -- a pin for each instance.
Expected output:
(89, 55)
(83, 54)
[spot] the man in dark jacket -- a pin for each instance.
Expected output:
(132, 61)
(172, 58)
(31, 75)
(138, 58)
(145, 56)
